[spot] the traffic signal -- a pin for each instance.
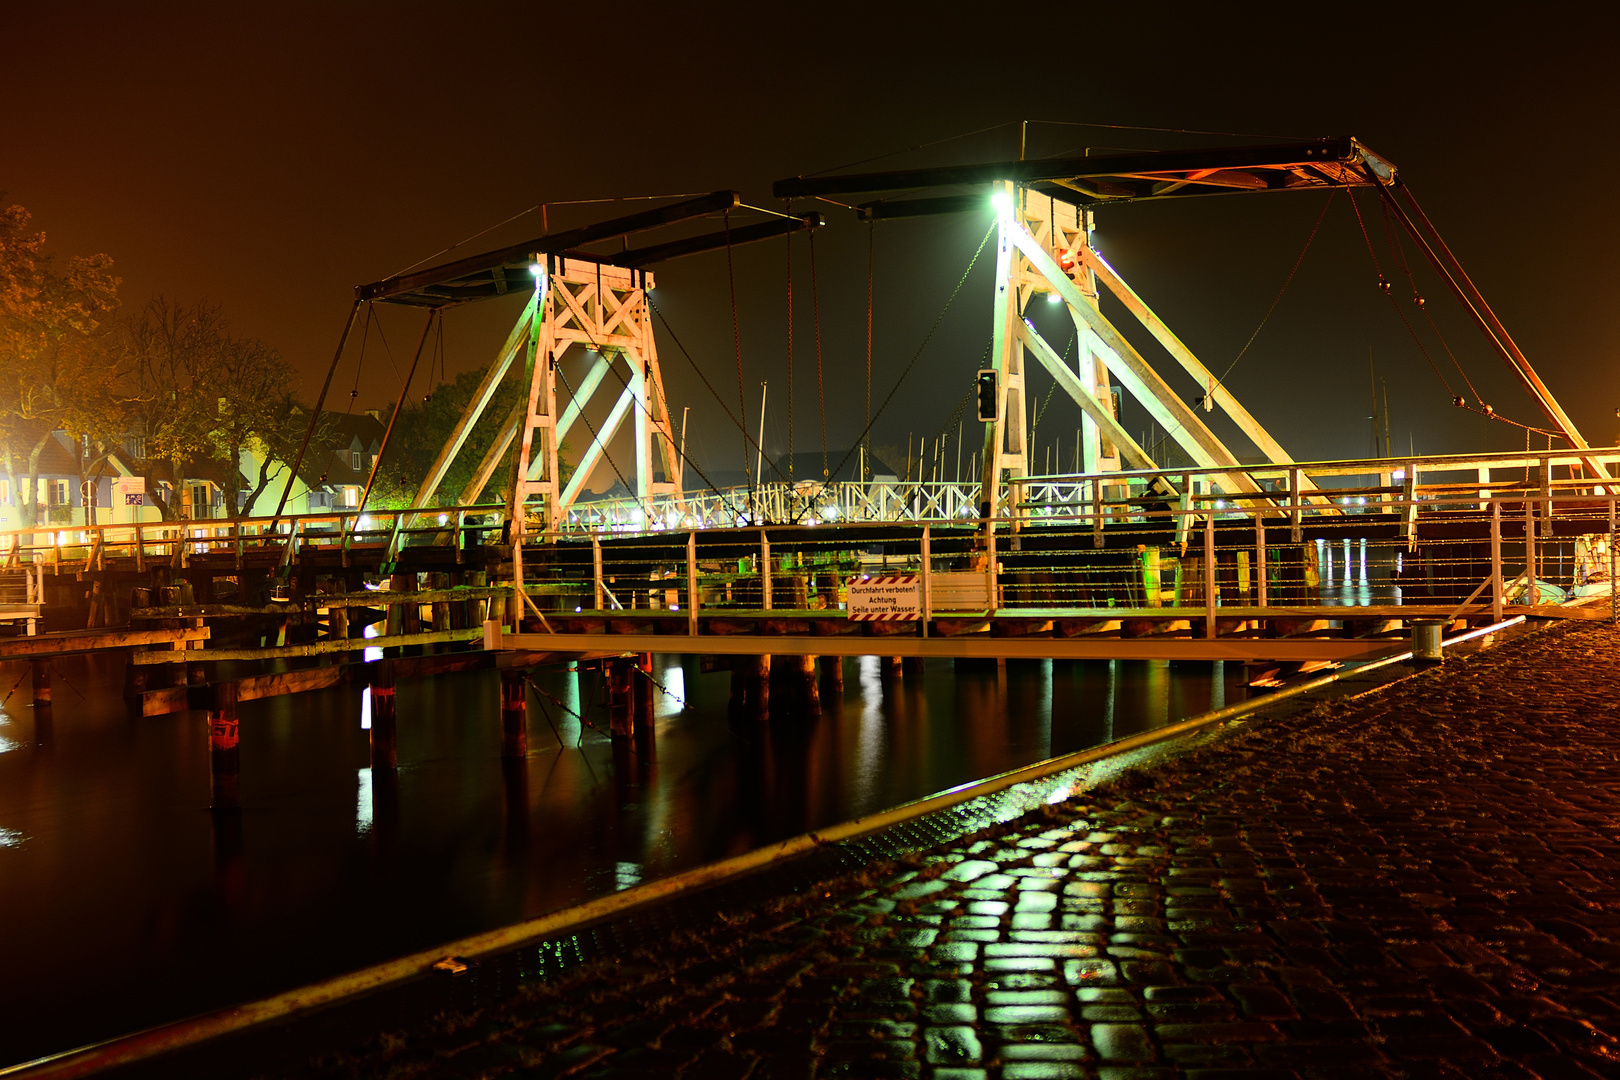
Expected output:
(989, 397)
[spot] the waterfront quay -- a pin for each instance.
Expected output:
(1416, 881)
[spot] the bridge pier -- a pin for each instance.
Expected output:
(384, 729)
(641, 720)
(832, 677)
(751, 686)
(621, 700)
(40, 671)
(514, 714)
(795, 676)
(224, 753)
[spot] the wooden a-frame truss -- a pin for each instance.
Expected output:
(602, 310)
(1043, 247)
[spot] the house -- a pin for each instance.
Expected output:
(334, 472)
(60, 497)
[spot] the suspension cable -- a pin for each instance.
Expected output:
(736, 338)
(821, 390)
(918, 354)
(1481, 409)
(1289, 280)
(787, 204)
(716, 394)
(1384, 287)
(1398, 255)
(360, 365)
(871, 267)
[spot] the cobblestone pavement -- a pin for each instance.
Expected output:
(1420, 883)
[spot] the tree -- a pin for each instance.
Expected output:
(253, 387)
(425, 426)
(54, 374)
(204, 395)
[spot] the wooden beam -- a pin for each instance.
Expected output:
(1137, 375)
(475, 406)
(1093, 408)
(554, 243)
(593, 452)
(312, 648)
(1251, 428)
(67, 644)
(379, 598)
(1345, 150)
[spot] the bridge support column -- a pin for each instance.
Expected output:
(751, 686)
(799, 679)
(224, 753)
(890, 667)
(514, 714)
(642, 693)
(384, 741)
(912, 666)
(621, 703)
(41, 673)
(832, 677)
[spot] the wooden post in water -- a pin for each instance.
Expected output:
(41, 671)
(384, 731)
(514, 714)
(224, 755)
(755, 683)
(641, 721)
(621, 705)
(805, 685)
(832, 678)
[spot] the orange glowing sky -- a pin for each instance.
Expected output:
(272, 156)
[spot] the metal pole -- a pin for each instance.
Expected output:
(759, 447)
(692, 596)
(1496, 562)
(1209, 574)
(1614, 615)
(1532, 590)
(927, 582)
(990, 569)
(765, 569)
(596, 573)
(1295, 536)
(1260, 597)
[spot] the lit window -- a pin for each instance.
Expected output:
(354, 458)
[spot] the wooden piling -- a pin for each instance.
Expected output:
(806, 687)
(890, 667)
(41, 671)
(642, 720)
(384, 731)
(621, 717)
(514, 714)
(224, 753)
(832, 678)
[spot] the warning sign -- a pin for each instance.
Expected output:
(885, 598)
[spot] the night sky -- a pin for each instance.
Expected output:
(271, 157)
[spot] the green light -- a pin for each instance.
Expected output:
(1001, 202)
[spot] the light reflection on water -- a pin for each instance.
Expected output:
(124, 870)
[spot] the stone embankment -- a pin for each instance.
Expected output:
(1418, 883)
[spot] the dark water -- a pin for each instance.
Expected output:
(125, 902)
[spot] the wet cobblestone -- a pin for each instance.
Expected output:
(1418, 883)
